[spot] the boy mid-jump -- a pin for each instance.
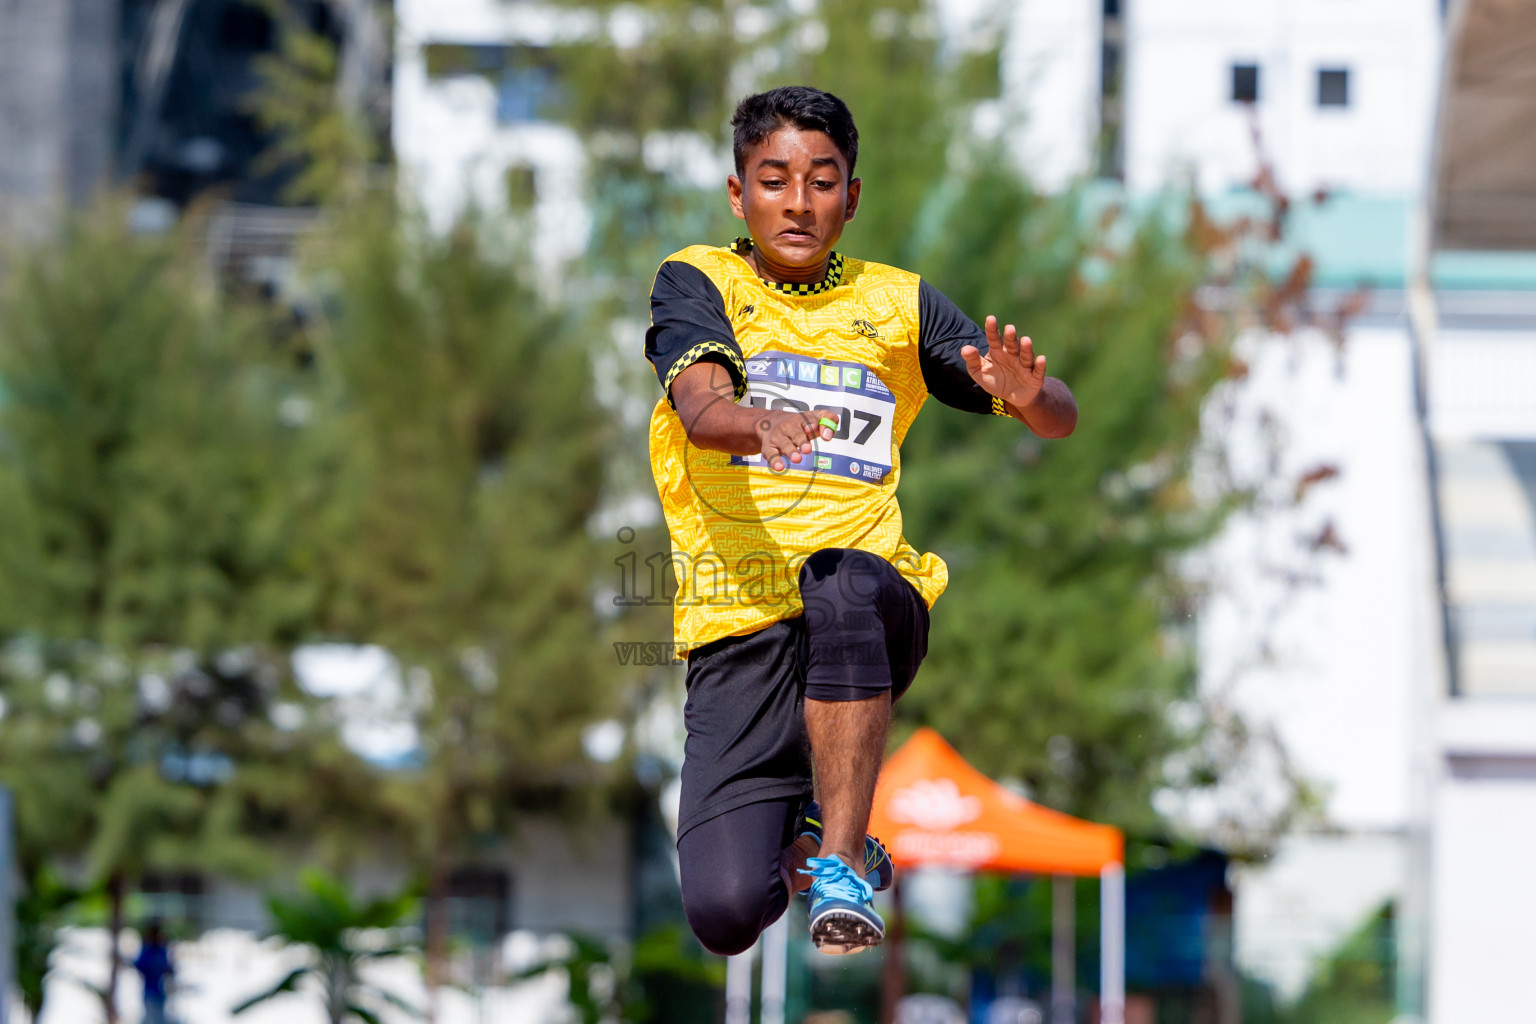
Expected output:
(791, 376)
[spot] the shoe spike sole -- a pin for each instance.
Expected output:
(837, 934)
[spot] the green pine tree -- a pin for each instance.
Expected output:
(468, 456)
(1055, 653)
(148, 576)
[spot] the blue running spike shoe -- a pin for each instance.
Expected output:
(878, 869)
(842, 921)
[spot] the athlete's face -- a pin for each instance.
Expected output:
(795, 195)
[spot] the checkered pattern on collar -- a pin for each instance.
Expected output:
(742, 246)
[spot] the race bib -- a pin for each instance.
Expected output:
(861, 447)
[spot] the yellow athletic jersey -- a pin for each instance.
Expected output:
(870, 340)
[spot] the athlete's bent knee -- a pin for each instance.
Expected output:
(727, 919)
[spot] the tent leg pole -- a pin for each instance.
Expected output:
(775, 982)
(893, 972)
(738, 987)
(1112, 945)
(1063, 950)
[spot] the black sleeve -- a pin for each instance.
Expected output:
(942, 331)
(688, 324)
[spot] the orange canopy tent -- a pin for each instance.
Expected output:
(933, 809)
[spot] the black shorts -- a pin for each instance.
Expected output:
(864, 632)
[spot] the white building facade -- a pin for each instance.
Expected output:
(469, 125)
(1406, 682)
(1341, 93)
(1478, 753)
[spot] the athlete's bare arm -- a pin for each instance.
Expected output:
(1011, 371)
(705, 401)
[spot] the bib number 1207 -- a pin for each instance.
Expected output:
(860, 448)
(867, 422)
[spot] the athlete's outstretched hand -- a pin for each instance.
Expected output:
(1010, 369)
(788, 434)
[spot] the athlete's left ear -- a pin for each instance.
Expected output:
(733, 189)
(853, 200)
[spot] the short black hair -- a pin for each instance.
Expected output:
(793, 106)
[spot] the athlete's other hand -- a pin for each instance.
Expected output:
(704, 395)
(789, 435)
(1010, 370)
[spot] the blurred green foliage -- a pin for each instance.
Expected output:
(144, 459)
(1008, 932)
(1054, 656)
(328, 146)
(334, 928)
(147, 572)
(43, 901)
(1354, 985)
(608, 984)
(465, 453)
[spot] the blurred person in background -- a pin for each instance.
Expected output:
(155, 967)
(791, 376)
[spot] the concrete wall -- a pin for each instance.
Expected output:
(1317, 647)
(1482, 903)
(1483, 908)
(1181, 121)
(574, 877)
(453, 150)
(1317, 650)
(1051, 85)
(1318, 888)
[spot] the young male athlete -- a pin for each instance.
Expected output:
(791, 375)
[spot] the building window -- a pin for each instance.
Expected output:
(244, 28)
(524, 76)
(1333, 87)
(174, 898)
(445, 60)
(525, 93)
(479, 904)
(1245, 83)
(522, 187)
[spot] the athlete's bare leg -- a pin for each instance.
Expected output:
(795, 857)
(847, 746)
